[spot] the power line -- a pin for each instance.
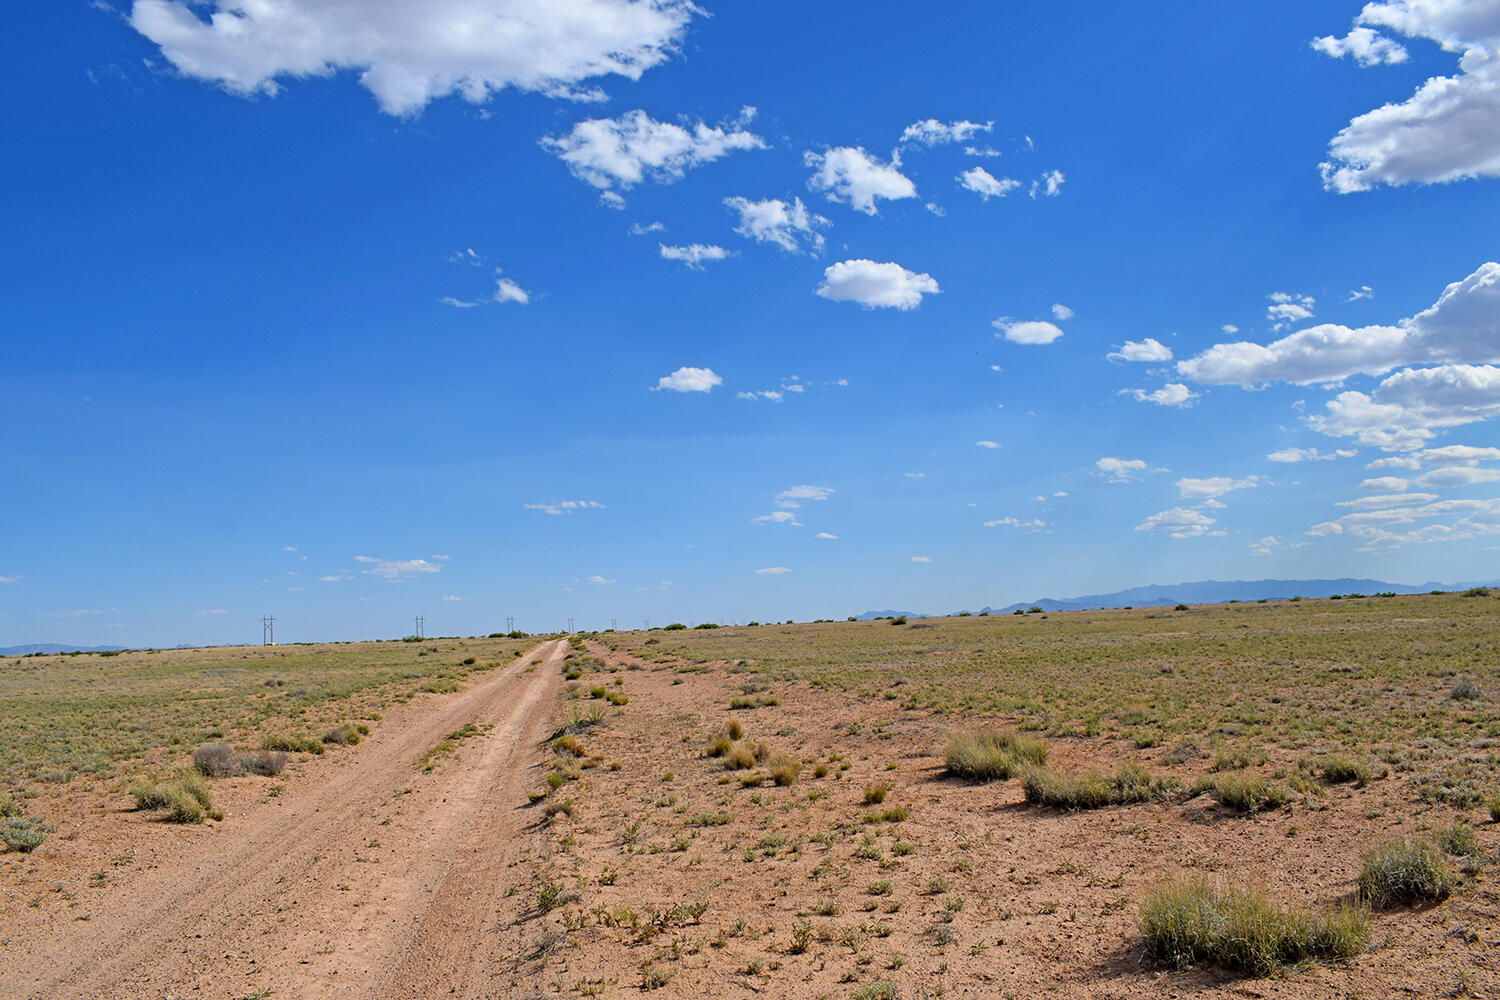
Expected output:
(612, 624)
(510, 623)
(420, 622)
(570, 623)
(267, 630)
(646, 625)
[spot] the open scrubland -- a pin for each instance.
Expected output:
(1276, 799)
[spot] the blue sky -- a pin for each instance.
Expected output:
(635, 310)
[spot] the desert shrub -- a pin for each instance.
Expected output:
(675, 627)
(1044, 786)
(739, 757)
(598, 691)
(1493, 805)
(216, 760)
(267, 764)
(875, 794)
(185, 798)
(880, 989)
(24, 834)
(617, 698)
(346, 735)
(992, 754)
(569, 744)
(735, 730)
(718, 746)
(291, 743)
(899, 620)
(1337, 768)
(1464, 690)
(1192, 921)
(1186, 750)
(1244, 793)
(784, 770)
(1404, 871)
(1458, 840)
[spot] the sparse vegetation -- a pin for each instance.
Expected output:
(992, 754)
(1404, 871)
(1188, 922)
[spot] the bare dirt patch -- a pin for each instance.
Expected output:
(366, 876)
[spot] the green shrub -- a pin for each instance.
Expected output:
(346, 735)
(185, 798)
(24, 834)
(1493, 805)
(992, 754)
(1404, 871)
(1458, 840)
(739, 757)
(291, 743)
(1191, 921)
(1337, 768)
(784, 770)
(875, 794)
(1241, 792)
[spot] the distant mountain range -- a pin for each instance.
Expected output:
(54, 647)
(1208, 592)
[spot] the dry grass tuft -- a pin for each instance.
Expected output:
(992, 754)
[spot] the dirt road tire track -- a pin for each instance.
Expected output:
(366, 879)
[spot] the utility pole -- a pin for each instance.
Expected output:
(612, 624)
(570, 623)
(646, 625)
(420, 622)
(510, 623)
(267, 630)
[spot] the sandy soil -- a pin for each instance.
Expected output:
(364, 878)
(975, 894)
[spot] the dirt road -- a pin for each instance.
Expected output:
(364, 878)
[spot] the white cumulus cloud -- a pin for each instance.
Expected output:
(693, 255)
(1120, 470)
(851, 175)
(622, 152)
(789, 226)
(1149, 349)
(1291, 455)
(1462, 326)
(874, 285)
(394, 570)
(1445, 131)
(931, 132)
(1026, 331)
(1179, 522)
(1213, 486)
(1049, 186)
(408, 54)
(688, 379)
(1172, 394)
(986, 184)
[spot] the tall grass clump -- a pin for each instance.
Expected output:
(992, 754)
(185, 798)
(1132, 783)
(1241, 792)
(1404, 871)
(1186, 922)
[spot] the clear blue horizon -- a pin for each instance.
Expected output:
(633, 309)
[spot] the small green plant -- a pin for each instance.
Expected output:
(1337, 768)
(1404, 871)
(24, 834)
(875, 794)
(346, 735)
(880, 989)
(1192, 921)
(1458, 840)
(185, 799)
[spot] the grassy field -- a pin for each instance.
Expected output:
(1142, 802)
(1375, 675)
(107, 716)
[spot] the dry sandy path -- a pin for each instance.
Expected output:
(364, 878)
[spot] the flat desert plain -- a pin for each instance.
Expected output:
(976, 806)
